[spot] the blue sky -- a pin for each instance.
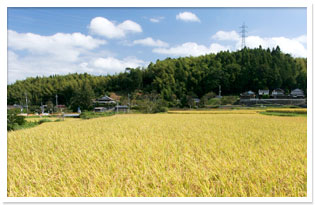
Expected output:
(100, 41)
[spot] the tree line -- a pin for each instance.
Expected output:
(173, 80)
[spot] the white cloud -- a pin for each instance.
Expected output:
(231, 41)
(111, 64)
(226, 36)
(301, 39)
(61, 46)
(216, 48)
(187, 17)
(130, 26)
(21, 67)
(294, 46)
(31, 66)
(150, 42)
(31, 55)
(157, 19)
(191, 49)
(103, 27)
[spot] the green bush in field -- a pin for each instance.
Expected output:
(13, 119)
(214, 102)
(228, 100)
(90, 115)
(265, 97)
(44, 120)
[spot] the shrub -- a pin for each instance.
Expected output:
(158, 109)
(214, 102)
(265, 97)
(296, 111)
(44, 120)
(89, 115)
(228, 100)
(13, 119)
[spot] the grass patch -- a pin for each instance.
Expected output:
(25, 125)
(91, 115)
(44, 120)
(285, 114)
(297, 111)
(30, 124)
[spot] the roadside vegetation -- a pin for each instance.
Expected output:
(15, 121)
(91, 115)
(286, 112)
(283, 114)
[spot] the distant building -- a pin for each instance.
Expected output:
(196, 100)
(15, 106)
(105, 100)
(61, 106)
(42, 108)
(247, 95)
(263, 92)
(278, 93)
(99, 109)
(297, 93)
(121, 108)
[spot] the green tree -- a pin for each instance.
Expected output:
(82, 98)
(13, 119)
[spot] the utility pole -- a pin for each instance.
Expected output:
(129, 102)
(56, 103)
(41, 107)
(26, 103)
(243, 32)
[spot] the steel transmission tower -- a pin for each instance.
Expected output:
(243, 33)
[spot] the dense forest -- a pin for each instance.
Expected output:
(174, 79)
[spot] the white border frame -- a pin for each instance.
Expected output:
(4, 4)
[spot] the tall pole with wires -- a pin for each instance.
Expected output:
(56, 103)
(26, 102)
(243, 33)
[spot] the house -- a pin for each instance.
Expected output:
(247, 95)
(121, 108)
(297, 93)
(196, 100)
(61, 106)
(15, 106)
(42, 108)
(263, 92)
(99, 109)
(105, 100)
(278, 93)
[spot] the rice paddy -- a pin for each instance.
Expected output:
(161, 155)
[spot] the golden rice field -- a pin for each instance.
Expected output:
(161, 155)
(252, 111)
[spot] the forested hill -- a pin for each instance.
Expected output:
(236, 72)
